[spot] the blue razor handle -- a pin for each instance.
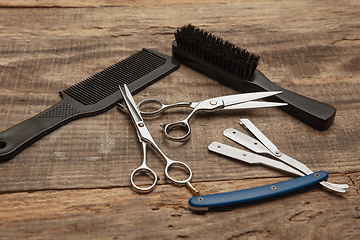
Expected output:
(258, 194)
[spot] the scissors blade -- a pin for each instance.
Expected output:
(246, 97)
(254, 104)
(130, 103)
(141, 129)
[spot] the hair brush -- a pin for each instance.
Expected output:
(90, 97)
(236, 68)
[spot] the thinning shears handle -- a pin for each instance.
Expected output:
(159, 106)
(254, 195)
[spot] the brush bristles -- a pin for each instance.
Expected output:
(216, 51)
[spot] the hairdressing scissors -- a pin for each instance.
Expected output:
(145, 139)
(237, 101)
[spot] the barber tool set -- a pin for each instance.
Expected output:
(216, 58)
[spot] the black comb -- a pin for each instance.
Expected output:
(236, 68)
(90, 97)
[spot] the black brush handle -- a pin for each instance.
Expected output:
(317, 115)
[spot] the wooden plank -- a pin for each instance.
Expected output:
(105, 3)
(163, 214)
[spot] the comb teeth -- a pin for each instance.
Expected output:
(106, 82)
(216, 51)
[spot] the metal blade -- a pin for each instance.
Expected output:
(246, 97)
(295, 163)
(246, 141)
(254, 104)
(247, 124)
(250, 158)
(130, 103)
(305, 169)
(141, 129)
(334, 187)
(256, 146)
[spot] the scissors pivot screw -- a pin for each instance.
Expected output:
(140, 124)
(213, 102)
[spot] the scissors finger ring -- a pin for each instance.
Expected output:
(141, 171)
(170, 127)
(150, 104)
(153, 107)
(158, 106)
(172, 165)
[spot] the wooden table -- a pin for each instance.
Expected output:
(74, 182)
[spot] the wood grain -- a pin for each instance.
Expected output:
(74, 182)
(118, 213)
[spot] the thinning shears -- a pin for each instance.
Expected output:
(237, 101)
(261, 145)
(145, 138)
